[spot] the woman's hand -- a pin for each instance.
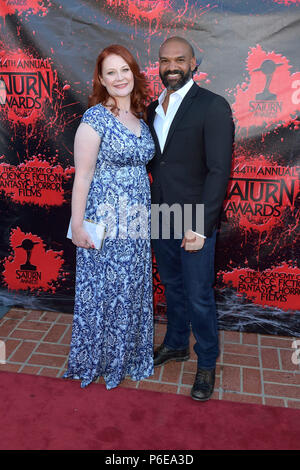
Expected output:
(81, 238)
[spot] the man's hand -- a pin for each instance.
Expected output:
(192, 242)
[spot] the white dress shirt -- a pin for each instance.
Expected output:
(163, 121)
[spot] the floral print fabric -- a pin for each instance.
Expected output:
(112, 334)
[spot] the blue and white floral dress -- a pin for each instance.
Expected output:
(112, 334)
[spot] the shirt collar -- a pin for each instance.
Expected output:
(181, 92)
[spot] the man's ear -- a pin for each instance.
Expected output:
(193, 63)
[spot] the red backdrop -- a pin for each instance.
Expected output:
(246, 53)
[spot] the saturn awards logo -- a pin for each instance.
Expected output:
(260, 193)
(30, 266)
(26, 85)
(269, 96)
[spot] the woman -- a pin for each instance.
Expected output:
(112, 332)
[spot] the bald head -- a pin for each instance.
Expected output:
(180, 40)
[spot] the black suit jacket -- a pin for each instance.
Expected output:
(195, 164)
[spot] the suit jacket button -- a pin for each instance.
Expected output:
(163, 163)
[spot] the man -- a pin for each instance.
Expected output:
(193, 132)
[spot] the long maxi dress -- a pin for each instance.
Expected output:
(112, 332)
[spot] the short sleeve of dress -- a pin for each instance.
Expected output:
(95, 118)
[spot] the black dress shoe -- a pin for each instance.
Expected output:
(163, 354)
(204, 384)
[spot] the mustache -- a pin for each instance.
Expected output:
(172, 72)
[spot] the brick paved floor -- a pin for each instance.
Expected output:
(252, 368)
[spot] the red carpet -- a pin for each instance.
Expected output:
(46, 413)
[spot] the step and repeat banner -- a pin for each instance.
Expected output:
(246, 51)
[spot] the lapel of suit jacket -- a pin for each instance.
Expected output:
(151, 126)
(186, 102)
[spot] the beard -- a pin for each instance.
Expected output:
(175, 85)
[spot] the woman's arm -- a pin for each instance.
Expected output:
(86, 148)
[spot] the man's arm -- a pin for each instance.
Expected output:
(218, 144)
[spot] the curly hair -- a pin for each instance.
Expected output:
(139, 94)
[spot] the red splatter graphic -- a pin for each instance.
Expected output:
(31, 266)
(34, 97)
(29, 85)
(259, 192)
(156, 86)
(34, 182)
(277, 287)
(147, 9)
(19, 7)
(159, 14)
(143, 10)
(271, 96)
(287, 2)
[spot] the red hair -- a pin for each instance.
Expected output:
(139, 94)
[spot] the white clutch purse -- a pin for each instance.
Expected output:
(96, 231)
